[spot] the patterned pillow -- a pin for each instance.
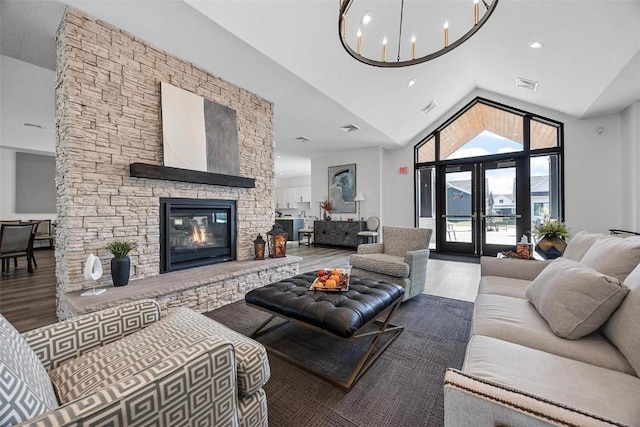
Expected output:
(25, 389)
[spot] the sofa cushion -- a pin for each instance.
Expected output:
(506, 286)
(614, 256)
(25, 389)
(180, 330)
(579, 245)
(622, 327)
(593, 389)
(574, 299)
(400, 240)
(517, 320)
(390, 265)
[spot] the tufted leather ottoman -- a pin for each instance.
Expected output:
(340, 314)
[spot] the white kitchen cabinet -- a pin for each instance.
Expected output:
(288, 198)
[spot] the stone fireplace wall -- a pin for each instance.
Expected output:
(108, 116)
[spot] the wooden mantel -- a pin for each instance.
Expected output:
(144, 170)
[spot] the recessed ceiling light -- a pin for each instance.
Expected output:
(277, 157)
(430, 106)
(349, 128)
(366, 18)
(303, 139)
(534, 44)
(411, 82)
(281, 173)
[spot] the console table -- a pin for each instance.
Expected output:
(337, 233)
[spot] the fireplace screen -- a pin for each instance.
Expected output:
(196, 232)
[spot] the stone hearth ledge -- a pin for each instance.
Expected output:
(201, 288)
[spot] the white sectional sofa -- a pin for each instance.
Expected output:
(554, 343)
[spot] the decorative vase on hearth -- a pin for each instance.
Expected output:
(120, 270)
(120, 263)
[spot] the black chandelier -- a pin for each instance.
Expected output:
(347, 31)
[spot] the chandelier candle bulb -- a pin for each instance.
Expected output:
(446, 33)
(413, 47)
(384, 49)
(343, 26)
(359, 48)
(476, 11)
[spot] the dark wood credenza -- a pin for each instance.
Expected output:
(337, 233)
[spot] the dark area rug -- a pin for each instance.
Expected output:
(403, 387)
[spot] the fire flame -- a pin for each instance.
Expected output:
(198, 235)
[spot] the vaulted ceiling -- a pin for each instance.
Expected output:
(289, 53)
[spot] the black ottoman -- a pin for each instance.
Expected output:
(343, 315)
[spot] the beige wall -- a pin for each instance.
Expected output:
(108, 108)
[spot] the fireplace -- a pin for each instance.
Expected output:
(196, 232)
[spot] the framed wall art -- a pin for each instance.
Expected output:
(342, 188)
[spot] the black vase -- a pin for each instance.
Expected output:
(120, 269)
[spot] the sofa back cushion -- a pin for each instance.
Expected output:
(400, 240)
(575, 300)
(614, 256)
(579, 245)
(25, 389)
(622, 328)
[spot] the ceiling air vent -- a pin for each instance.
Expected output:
(526, 84)
(303, 139)
(349, 128)
(430, 106)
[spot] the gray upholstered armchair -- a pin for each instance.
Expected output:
(401, 258)
(130, 366)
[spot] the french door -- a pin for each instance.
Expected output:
(482, 206)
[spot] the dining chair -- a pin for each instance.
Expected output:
(44, 232)
(16, 240)
(371, 233)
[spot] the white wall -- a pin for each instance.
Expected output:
(630, 173)
(28, 95)
(368, 180)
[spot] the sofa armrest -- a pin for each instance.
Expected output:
(511, 267)
(371, 248)
(59, 342)
(469, 400)
(198, 383)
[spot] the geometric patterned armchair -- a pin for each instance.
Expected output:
(401, 258)
(128, 366)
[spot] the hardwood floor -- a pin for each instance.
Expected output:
(28, 301)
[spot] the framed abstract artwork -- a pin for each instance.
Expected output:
(342, 188)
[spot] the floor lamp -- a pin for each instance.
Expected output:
(359, 199)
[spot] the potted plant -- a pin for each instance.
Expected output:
(120, 263)
(326, 205)
(550, 235)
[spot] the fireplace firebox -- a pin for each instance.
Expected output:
(196, 232)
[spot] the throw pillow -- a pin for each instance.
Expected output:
(614, 256)
(579, 245)
(25, 389)
(622, 328)
(575, 300)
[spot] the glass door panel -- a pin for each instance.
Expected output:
(457, 225)
(499, 209)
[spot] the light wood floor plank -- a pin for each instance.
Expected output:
(28, 301)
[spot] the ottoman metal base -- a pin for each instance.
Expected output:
(373, 329)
